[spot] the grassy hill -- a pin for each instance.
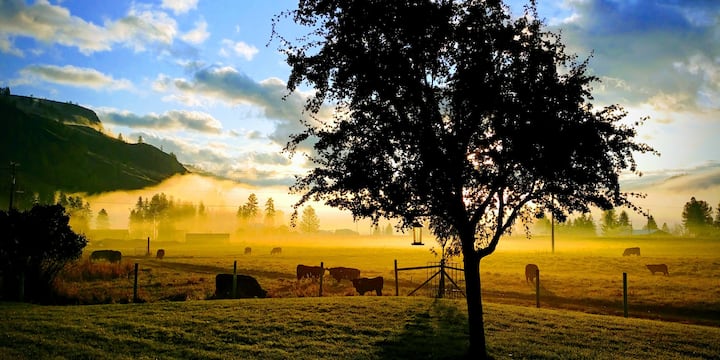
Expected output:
(335, 328)
(61, 146)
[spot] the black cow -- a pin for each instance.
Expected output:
(661, 268)
(112, 256)
(530, 272)
(363, 285)
(275, 250)
(632, 251)
(248, 250)
(312, 272)
(343, 273)
(245, 287)
(160, 254)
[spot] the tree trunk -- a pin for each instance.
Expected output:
(477, 349)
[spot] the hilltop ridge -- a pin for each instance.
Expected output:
(61, 147)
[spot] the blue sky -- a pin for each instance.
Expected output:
(199, 79)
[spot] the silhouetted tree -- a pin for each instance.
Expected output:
(102, 221)
(584, 225)
(201, 211)
(665, 228)
(608, 222)
(623, 219)
(5, 91)
(34, 246)
(651, 224)
(697, 216)
(78, 210)
(270, 212)
(453, 113)
(249, 211)
(309, 222)
(388, 229)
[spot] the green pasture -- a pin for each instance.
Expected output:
(335, 328)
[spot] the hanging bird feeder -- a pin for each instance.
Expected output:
(417, 234)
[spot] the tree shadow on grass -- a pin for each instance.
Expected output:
(438, 332)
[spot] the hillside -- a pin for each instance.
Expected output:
(60, 146)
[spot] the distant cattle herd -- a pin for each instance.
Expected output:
(531, 269)
(248, 287)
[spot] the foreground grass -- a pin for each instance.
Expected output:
(337, 327)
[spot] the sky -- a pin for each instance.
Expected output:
(203, 80)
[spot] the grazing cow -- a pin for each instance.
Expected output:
(530, 272)
(632, 251)
(248, 250)
(160, 254)
(313, 272)
(363, 285)
(343, 273)
(112, 256)
(245, 287)
(275, 250)
(662, 268)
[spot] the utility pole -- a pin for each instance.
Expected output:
(552, 225)
(12, 184)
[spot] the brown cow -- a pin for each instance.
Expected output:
(343, 273)
(662, 268)
(632, 251)
(530, 272)
(160, 254)
(363, 285)
(312, 272)
(275, 250)
(248, 250)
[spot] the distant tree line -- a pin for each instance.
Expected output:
(697, 220)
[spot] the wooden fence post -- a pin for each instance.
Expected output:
(322, 273)
(537, 288)
(135, 296)
(397, 290)
(625, 301)
(234, 281)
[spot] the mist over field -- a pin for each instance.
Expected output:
(221, 199)
(666, 194)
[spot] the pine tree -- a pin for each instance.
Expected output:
(309, 222)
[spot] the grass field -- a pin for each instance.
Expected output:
(335, 328)
(583, 274)
(176, 319)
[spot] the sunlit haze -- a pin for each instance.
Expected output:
(199, 79)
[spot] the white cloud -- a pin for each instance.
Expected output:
(197, 35)
(239, 48)
(179, 6)
(707, 72)
(72, 76)
(170, 120)
(54, 24)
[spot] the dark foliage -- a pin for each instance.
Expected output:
(697, 217)
(35, 245)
